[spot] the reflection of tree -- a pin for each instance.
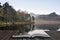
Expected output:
(32, 27)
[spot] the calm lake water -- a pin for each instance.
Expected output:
(30, 27)
(46, 27)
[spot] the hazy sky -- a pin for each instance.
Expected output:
(35, 6)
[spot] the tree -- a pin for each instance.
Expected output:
(33, 18)
(0, 5)
(6, 4)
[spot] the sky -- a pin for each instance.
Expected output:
(35, 6)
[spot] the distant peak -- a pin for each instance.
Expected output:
(53, 14)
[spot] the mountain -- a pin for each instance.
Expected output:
(52, 17)
(53, 14)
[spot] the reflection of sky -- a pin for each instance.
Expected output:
(36, 6)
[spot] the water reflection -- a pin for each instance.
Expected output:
(45, 27)
(26, 28)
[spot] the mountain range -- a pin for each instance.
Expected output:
(52, 16)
